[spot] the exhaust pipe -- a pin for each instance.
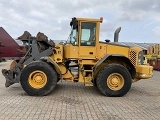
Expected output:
(116, 34)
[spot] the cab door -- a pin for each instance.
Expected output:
(87, 42)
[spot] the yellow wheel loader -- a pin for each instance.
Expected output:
(82, 58)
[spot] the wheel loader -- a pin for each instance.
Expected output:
(109, 66)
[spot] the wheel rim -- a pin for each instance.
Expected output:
(37, 79)
(115, 81)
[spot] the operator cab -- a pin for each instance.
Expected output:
(87, 32)
(84, 38)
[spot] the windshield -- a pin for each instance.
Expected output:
(73, 37)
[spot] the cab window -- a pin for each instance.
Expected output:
(88, 34)
(73, 37)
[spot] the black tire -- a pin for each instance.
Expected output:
(51, 78)
(94, 82)
(104, 77)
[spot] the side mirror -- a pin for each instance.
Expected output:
(74, 23)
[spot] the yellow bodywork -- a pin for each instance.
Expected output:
(115, 49)
(88, 56)
(58, 53)
(70, 51)
(143, 72)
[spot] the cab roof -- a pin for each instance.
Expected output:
(90, 19)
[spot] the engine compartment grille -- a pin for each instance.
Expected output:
(132, 57)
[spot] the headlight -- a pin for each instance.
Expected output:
(140, 58)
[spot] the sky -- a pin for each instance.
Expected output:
(139, 19)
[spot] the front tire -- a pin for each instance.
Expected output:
(114, 80)
(38, 79)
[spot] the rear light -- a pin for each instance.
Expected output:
(101, 19)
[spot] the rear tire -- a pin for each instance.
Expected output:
(94, 82)
(114, 80)
(38, 79)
